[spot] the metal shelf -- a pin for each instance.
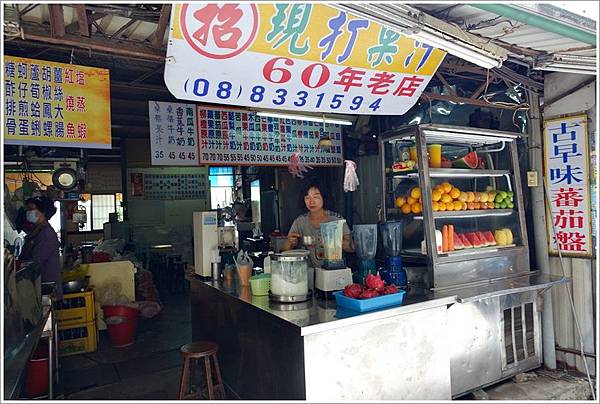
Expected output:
(450, 214)
(454, 173)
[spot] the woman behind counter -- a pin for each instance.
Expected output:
(309, 224)
(41, 244)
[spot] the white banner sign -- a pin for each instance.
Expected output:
(567, 183)
(294, 56)
(173, 134)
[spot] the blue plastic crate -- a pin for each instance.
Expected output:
(374, 303)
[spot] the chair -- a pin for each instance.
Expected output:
(192, 353)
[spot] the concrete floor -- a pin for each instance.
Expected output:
(147, 370)
(538, 385)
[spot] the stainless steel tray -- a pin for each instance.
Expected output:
(290, 299)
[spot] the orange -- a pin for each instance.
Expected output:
(435, 206)
(470, 205)
(441, 206)
(462, 197)
(416, 208)
(464, 206)
(484, 197)
(436, 195)
(457, 205)
(446, 198)
(476, 205)
(405, 208)
(447, 187)
(450, 206)
(439, 188)
(470, 196)
(400, 201)
(455, 193)
(491, 205)
(410, 200)
(415, 192)
(477, 196)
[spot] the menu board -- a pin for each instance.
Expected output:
(567, 180)
(56, 104)
(175, 186)
(234, 137)
(173, 134)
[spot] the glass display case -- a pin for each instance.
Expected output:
(458, 192)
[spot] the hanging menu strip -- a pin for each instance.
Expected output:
(244, 138)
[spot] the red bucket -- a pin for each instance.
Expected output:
(122, 324)
(36, 383)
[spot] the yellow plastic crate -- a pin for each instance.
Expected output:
(76, 308)
(78, 338)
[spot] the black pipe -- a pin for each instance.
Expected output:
(574, 351)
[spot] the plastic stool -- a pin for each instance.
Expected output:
(191, 354)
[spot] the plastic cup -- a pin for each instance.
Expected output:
(435, 155)
(244, 273)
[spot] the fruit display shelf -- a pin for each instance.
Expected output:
(450, 214)
(453, 173)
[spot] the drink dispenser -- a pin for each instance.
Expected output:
(289, 278)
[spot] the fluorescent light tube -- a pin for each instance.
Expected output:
(304, 117)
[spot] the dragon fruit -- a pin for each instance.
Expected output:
(374, 282)
(369, 293)
(353, 290)
(389, 290)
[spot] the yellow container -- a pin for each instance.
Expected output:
(78, 338)
(435, 155)
(76, 308)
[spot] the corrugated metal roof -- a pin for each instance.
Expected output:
(110, 23)
(502, 30)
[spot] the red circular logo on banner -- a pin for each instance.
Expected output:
(219, 31)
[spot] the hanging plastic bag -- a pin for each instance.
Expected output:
(350, 177)
(296, 167)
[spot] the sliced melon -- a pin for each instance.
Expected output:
(489, 238)
(465, 241)
(470, 161)
(458, 244)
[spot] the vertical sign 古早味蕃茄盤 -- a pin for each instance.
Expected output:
(566, 162)
(56, 104)
(173, 134)
(295, 56)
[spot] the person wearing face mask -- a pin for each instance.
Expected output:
(309, 224)
(41, 243)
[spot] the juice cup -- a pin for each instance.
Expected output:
(413, 153)
(435, 155)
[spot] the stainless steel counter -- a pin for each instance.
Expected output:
(316, 351)
(318, 315)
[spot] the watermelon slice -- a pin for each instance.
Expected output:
(470, 161)
(458, 244)
(465, 241)
(475, 240)
(489, 237)
(482, 238)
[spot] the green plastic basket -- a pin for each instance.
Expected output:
(260, 284)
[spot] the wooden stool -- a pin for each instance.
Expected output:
(191, 354)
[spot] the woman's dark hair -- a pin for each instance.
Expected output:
(43, 204)
(322, 190)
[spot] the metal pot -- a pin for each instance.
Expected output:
(78, 285)
(277, 242)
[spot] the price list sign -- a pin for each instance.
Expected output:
(567, 183)
(243, 138)
(56, 104)
(173, 134)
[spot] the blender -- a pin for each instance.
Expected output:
(393, 271)
(334, 274)
(365, 243)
